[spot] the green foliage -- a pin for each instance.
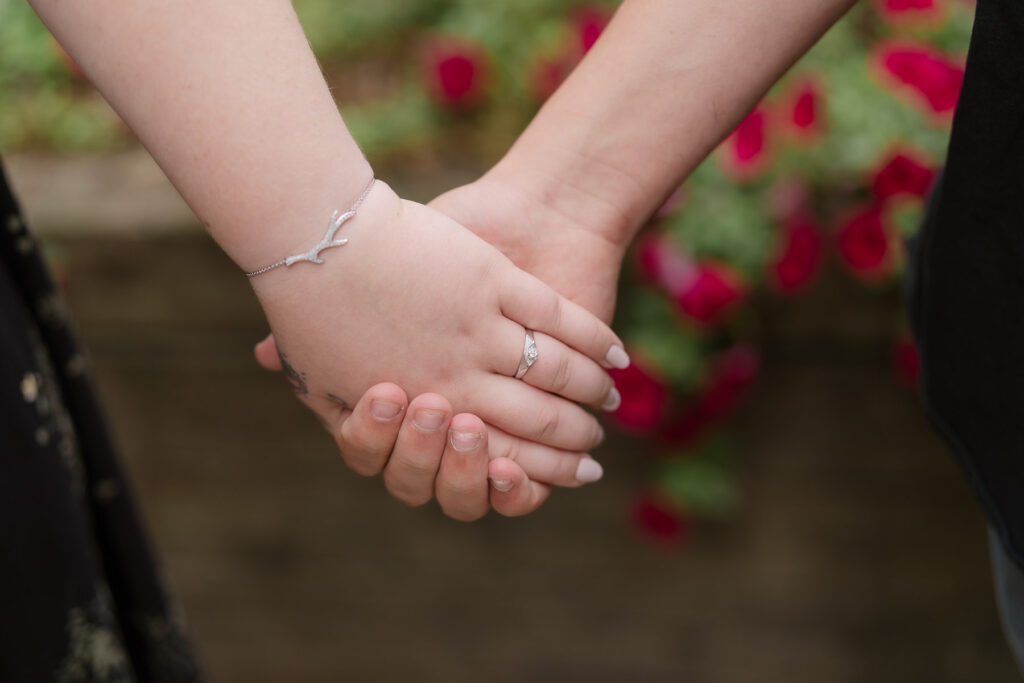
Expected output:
(701, 482)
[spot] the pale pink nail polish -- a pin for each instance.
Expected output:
(617, 357)
(588, 471)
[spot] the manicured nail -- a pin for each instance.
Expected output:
(613, 401)
(588, 471)
(385, 411)
(617, 357)
(503, 485)
(428, 420)
(464, 441)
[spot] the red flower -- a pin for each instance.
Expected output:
(665, 264)
(711, 294)
(928, 74)
(734, 372)
(803, 110)
(905, 5)
(906, 361)
(744, 153)
(798, 257)
(456, 73)
(909, 11)
(902, 174)
(864, 243)
(589, 23)
(659, 521)
(643, 398)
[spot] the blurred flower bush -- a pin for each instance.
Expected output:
(833, 165)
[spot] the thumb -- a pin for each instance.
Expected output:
(266, 354)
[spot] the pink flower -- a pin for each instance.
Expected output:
(803, 110)
(644, 398)
(798, 256)
(665, 264)
(731, 377)
(902, 174)
(589, 23)
(744, 154)
(711, 294)
(906, 5)
(456, 73)
(864, 243)
(909, 11)
(932, 78)
(658, 520)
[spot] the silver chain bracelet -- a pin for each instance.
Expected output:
(328, 241)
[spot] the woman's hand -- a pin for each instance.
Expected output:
(582, 265)
(417, 297)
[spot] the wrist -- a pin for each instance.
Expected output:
(300, 222)
(595, 196)
(379, 206)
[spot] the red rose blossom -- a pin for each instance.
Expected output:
(804, 110)
(711, 294)
(457, 73)
(643, 398)
(909, 11)
(658, 520)
(932, 77)
(744, 154)
(902, 174)
(665, 264)
(864, 242)
(589, 23)
(799, 255)
(906, 5)
(734, 372)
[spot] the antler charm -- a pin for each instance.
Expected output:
(328, 241)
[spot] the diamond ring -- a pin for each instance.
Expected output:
(529, 355)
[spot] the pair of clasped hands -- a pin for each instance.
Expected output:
(448, 317)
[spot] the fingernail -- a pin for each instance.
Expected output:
(503, 485)
(588, 471)
(464, 441)
(617, 357)
(385, 411)
(428, 420)
(613, 401)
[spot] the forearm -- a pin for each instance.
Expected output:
(663, 86)
(228, 98)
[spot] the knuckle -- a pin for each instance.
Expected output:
(555, 311)
(561, 374)
(548, 424)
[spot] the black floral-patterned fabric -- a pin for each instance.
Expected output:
(81, 596)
